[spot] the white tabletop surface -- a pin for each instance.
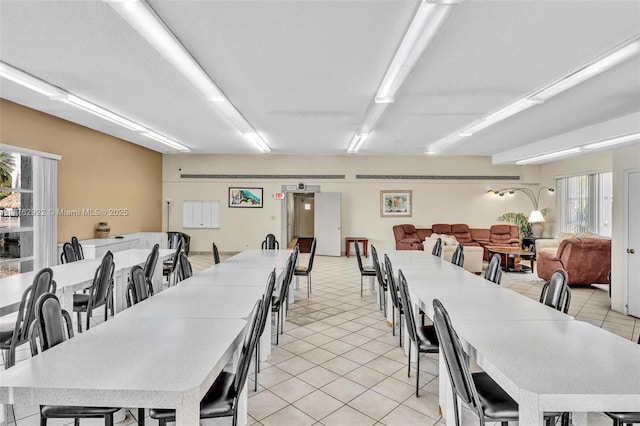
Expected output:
(198, 302)
(564, 365)
(416, 259)
(128, 362)
(230, 276)
(258, 259)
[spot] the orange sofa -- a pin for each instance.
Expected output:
(586, 260)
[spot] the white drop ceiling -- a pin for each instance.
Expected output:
(303, 73)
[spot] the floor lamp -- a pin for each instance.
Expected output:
(168, 200)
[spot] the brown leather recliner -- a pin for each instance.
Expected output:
(442, 228)
(407, 237)
(586, 260)
(463, 234)
(502, 235)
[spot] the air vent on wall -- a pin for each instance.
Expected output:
(436, 177)
(308, 177)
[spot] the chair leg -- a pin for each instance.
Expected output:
(76, 422)
(79, 323)
(278, 325)
(400, 331)
(258, 351)
(384, 302)
(393, 320)
(234, 421)
(409, 363)
(108, 418)
(140, 416)
(361, 284)
(417, 373)
(255, 373)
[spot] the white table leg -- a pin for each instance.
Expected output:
(445, 392)
(156, 279)
(389, 307)
(265, 340)
(188, 414)
(579, 419)
(242, 406)
(529, 410)
(119, 289)
(372, 283)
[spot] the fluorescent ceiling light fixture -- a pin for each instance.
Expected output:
(372, 117)
(426, 23)
(356, 142)
(258, 141)
(465, 134)
(605, 62)
(103, 113)
(28, 81)
(556, 154)
(613, 141)
(165, 140)
(145, 21)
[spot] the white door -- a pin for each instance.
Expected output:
(328, 223)
(633, 242)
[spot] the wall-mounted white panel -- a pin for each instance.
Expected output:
(201, 214)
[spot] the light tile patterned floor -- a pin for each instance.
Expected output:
(338, 363)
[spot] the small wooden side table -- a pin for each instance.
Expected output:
(356, 240)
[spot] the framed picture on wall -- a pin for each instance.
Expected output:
(245, 197)
(395, 203)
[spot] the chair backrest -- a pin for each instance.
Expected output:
(150, 267)
(68, 254)
(266, 301)
(437, 248)
(42, 283)
(77, 248)
(137, 289)
(174, 239)
(102, 280)
(556, 293)
(216, 254)
(391, 282)
(494, 271)
(458, 256)
(184, 267)
(270, 242)
(312, 255)
(455, 360)
(248, 346)
(406, 307)
(52, 324)
(359, 257)
(288, 277)
(176, 254)
(376, 265)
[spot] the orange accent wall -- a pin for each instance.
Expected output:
(97, 171)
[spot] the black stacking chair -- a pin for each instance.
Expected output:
(216, 254)
(52, 325)
(270, 243)
(262, 323)
(150, 267)
(138, 288)
(365, 271)
(14, 331)
(556, 292)
(458, 256)
(277, 302)
(423, 336)
(494, 271)
(184, 269)
(437, 248)
(169, 267)
(77, 248)
(382, 282)
(395, 298)
(477, 390)
(100, 292)
(222, 398)
(305, 271)
(68, 254)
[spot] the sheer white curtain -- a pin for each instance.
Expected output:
(45, 199)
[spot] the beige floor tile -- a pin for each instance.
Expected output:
(318, 404)
(264, 404)
(288, 416)
(295, 365)
(427, 404)
(385, 365)
(377, 347)
(355, 339)
(365, 376)
(338, 347)
(394, 389)
(278, 355)
(359, 355)
(336, 332)
(374, 404)
(405, 416)
(343, 389)
(340, 366)
(347, 416)
(318, 339)
(292, 390)
(318, 355)
(298, 347)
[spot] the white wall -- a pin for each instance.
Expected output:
(433, 201)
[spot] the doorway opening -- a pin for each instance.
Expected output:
(301, 226)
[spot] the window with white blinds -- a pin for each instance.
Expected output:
(585, 203)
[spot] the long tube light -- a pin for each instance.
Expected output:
(151, 27)
(605, 62)
(258, 141)
(357, 142)
(145, 21)
(613, 141)
(55, 93)
(556, 154)
(424, 26)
